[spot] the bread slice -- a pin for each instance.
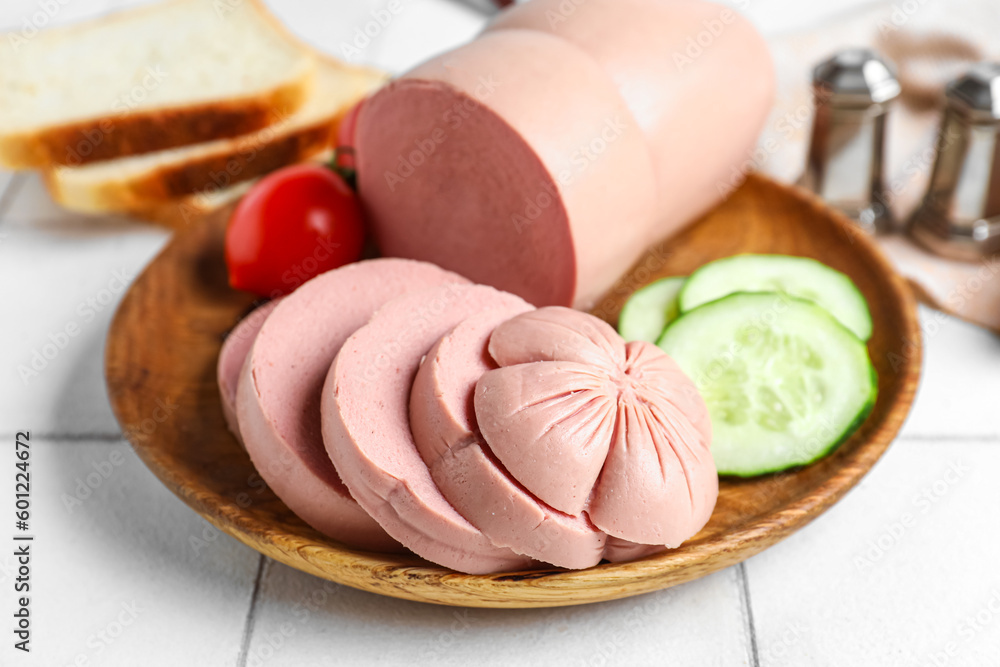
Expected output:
(181, 212)
(138, 183)
(147, 79)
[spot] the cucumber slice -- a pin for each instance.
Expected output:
(785, 382)
(650, 309)
(798, 276)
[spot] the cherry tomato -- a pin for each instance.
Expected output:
(294, 224)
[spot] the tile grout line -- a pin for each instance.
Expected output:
(70, 437)
(986, 439)
(248, 626)
(747, 607)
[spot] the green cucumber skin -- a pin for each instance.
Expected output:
(844, 436)
(686, 301)
(634, 308)
(866, 410)
(859, 418)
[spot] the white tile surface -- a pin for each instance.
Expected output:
(888, 577)
(394, 41)
(32, 206)
(61, 277)
(299, 620)
(115, 577)
(893, 573)
(5, 177)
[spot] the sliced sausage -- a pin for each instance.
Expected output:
(442, 419)
(234, 352)
(367, 433)
(278, 397)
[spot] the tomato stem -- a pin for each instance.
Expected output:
(349, 174)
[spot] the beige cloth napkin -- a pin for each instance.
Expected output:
(933, 39)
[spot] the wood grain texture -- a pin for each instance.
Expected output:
(160, 365)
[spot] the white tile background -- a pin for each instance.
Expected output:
(902, 572)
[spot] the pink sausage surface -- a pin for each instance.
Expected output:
(618, 551)
(588, 423)
(278, 396)
(442, 420)
(234, 352)
(367, 433)
(512, 160)
(697, 77)
(522, 157)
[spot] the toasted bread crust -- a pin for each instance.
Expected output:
(107, 138)
(246, 163)
(136, 132)
(244, 160)
(180, 213)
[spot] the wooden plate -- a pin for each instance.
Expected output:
(161, 357)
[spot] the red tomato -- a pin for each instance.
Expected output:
(294, 224)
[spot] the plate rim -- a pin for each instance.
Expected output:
(408, 577)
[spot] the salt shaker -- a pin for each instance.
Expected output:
(959, 216)
(853, 91)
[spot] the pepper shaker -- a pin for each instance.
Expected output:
(853, 91)
(959, 216)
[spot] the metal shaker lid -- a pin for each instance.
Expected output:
(856, 77)
(977, 92)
